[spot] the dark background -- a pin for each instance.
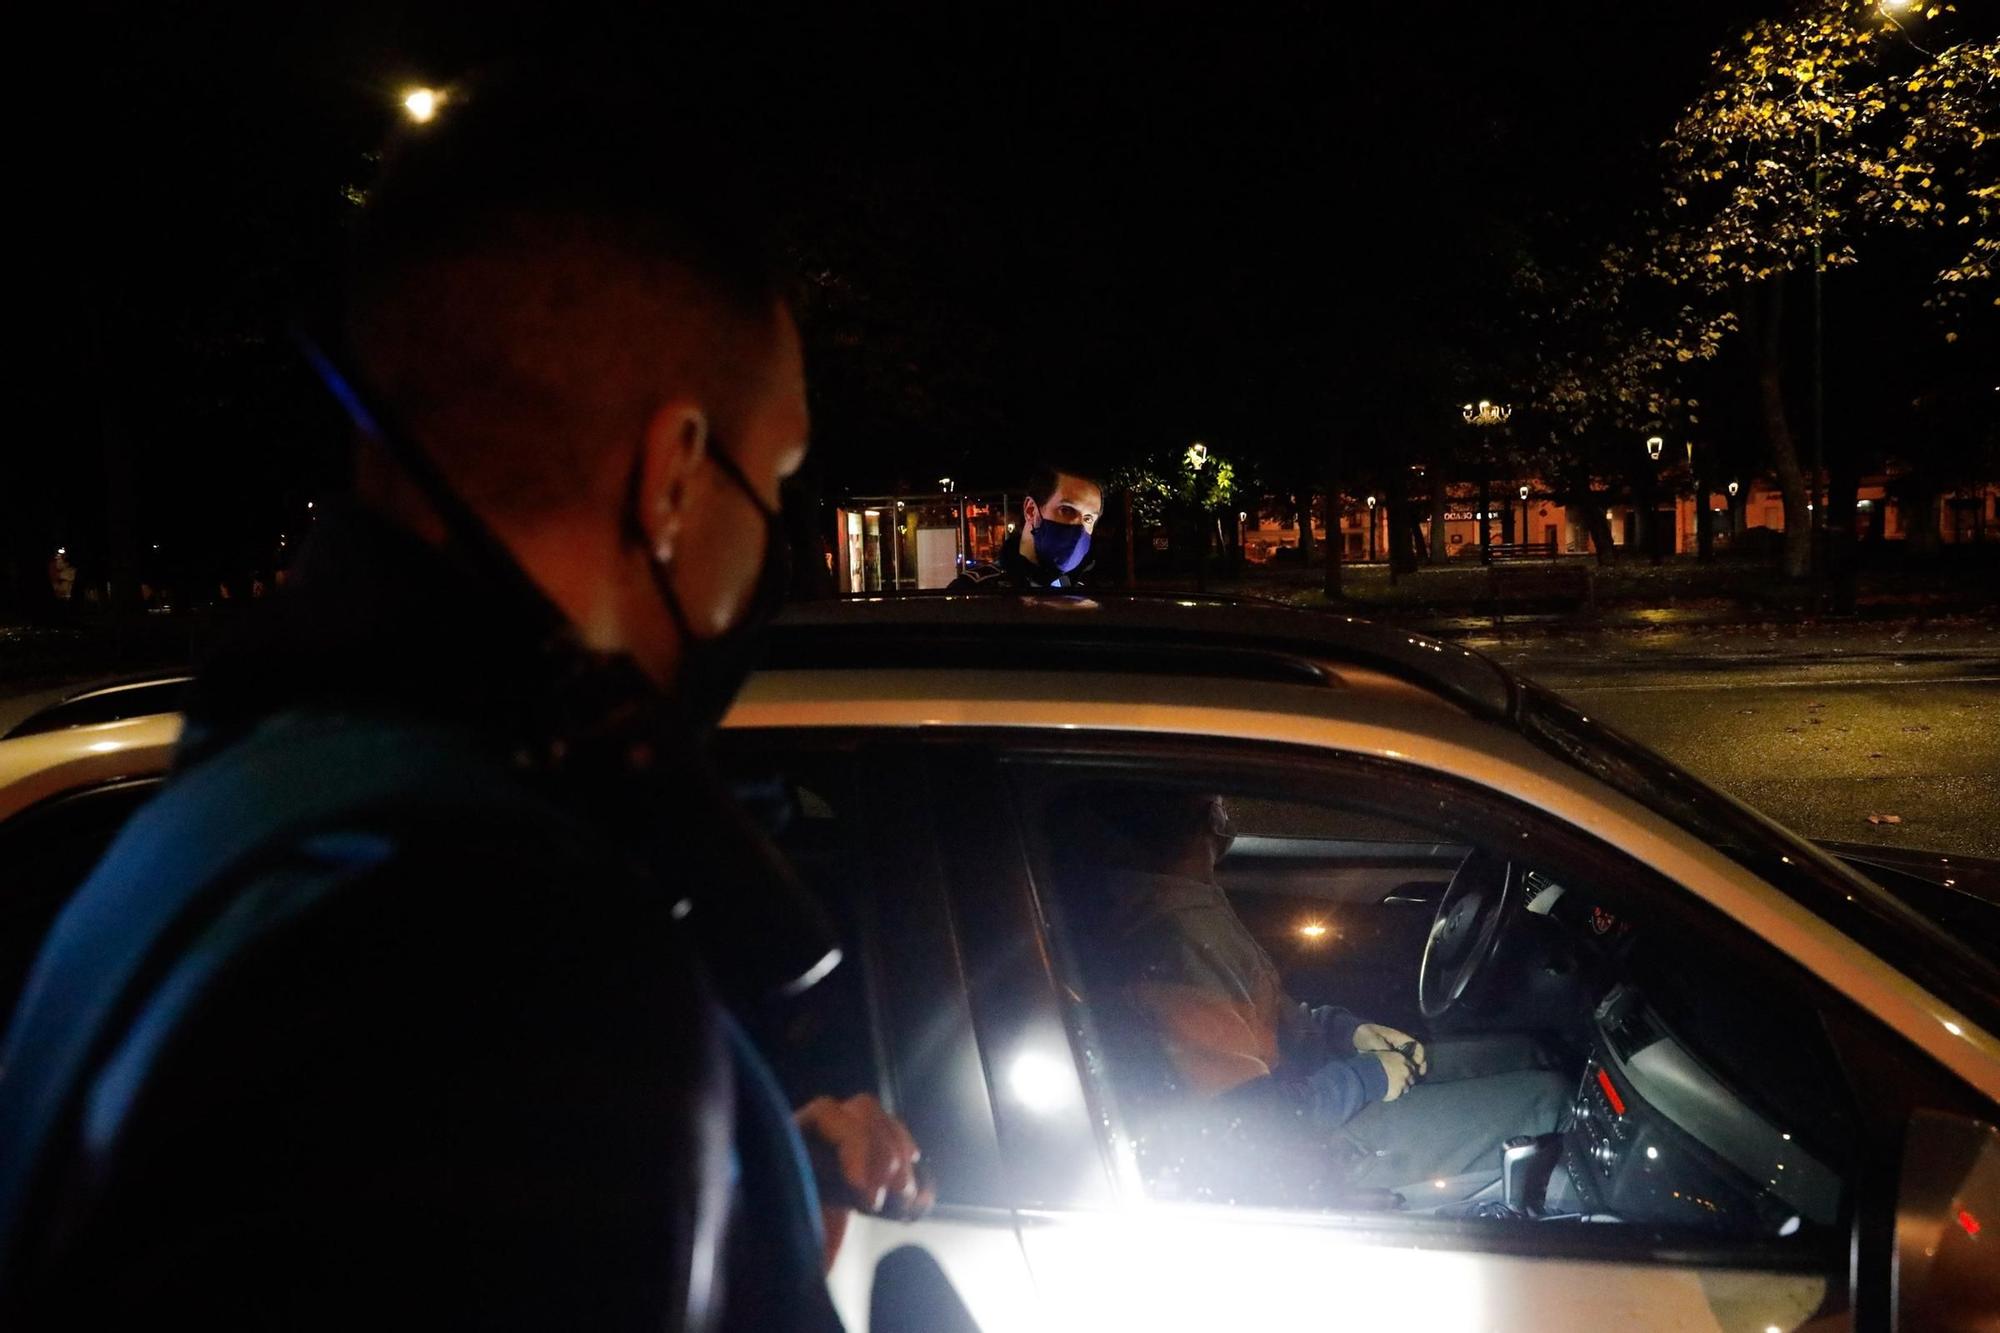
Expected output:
(1092, 231)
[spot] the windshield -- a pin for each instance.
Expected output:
(1907, 938)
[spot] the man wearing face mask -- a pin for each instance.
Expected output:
(388, 1006)
(1050, 545)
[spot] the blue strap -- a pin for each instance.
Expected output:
(204, 832)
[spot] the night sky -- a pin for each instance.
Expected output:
(1082, 234)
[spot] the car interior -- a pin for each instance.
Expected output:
(1702, 1095)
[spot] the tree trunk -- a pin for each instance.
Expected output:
(1917, 499)
(1704, 524)
(1843, 487)
(1485, 519)
(1440, 504)
(1582, 499)
(1336, 537)
(1770, 346)
(1302, 511)
(1402, 534)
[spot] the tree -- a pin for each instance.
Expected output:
(1817, 133)
(1614, 356)
(1185, 490)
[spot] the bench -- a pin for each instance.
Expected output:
(1500, 552)
(1568, 585)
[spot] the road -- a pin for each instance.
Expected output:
(1820, 731)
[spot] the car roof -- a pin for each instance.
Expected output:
(99, 701)
(1143, 634)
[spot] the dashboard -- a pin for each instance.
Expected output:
(1654, 1136)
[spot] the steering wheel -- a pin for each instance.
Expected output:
(1465, 932)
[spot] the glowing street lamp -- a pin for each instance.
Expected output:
(1653, 446)
(1197, 455)
(1371, 529)
(1732, 488)
(421, 104)
(1485, 413)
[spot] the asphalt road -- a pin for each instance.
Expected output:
(1818, 730)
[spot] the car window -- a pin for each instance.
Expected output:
(45, 853)
(892, 1019)
(823, 1043)
(1222, 935)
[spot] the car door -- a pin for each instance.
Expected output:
(849, 812)
(1755, 1199)
(45, 853)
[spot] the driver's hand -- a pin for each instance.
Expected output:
(1376, 1037)
(1401, 1075)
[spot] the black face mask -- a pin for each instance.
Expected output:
(713, 670)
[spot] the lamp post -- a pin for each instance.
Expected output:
(1371, 529)
(1484, 415)
(1524, 516)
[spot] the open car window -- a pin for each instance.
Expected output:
(1673, 1075)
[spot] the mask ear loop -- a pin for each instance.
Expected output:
(467, 533)
(656, 568)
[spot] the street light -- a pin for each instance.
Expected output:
(1653, 446)
(1732, 489)
(1484, 414)
(1524, 515)
(421, 104)
(1197, 454)
(1371, 529)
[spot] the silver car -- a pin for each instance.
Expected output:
(1781, 1079)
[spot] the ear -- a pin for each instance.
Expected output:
(1031, 513)
(675, 441)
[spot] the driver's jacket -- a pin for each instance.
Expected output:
(1218, 1006)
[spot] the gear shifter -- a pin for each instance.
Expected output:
(1523, 1173)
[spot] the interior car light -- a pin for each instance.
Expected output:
(1039, 1082)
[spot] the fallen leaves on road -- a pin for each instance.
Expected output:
(1885, 819)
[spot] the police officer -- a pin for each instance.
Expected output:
(1050, 548)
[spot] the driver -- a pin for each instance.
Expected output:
(1217, 1004)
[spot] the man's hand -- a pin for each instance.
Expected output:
(864, 1158)
(1399, 1070)
(1376, 1037)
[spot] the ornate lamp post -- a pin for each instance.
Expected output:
(1524, 515)
(1371, 529)
(1484, 415)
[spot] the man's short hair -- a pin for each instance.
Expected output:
(542, 266)
(1047, 475)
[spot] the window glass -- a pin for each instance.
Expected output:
(821, 1044)
(1258, 970)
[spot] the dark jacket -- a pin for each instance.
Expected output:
(436, 1050)
(1014, 572)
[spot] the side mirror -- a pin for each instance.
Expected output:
(1946, 1266)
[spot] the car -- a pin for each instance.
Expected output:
(1782, 1078)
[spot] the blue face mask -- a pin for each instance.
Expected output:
(1061, 545)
